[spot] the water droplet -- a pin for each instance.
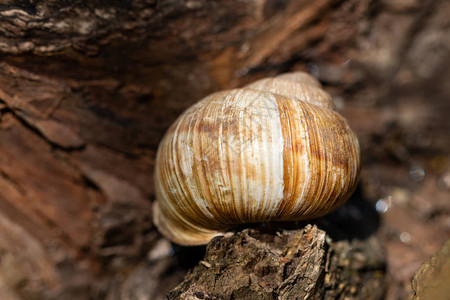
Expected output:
(383, 204)
(405, 237)
(244, 48)
(417, 173)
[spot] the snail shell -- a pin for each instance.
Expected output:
(274, 150)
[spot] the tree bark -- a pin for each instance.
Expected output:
(298, 264)
(88, 88)
(431, 280)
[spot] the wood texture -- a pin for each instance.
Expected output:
(431, 280)
(300, 264)
(88, 88)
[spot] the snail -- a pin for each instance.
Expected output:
(274, 150)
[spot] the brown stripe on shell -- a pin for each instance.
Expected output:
(332, 170)
(293, 152)
(315, 167)
(328, 145)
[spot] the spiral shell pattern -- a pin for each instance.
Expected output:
(274, 150)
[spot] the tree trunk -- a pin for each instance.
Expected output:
(88, 88)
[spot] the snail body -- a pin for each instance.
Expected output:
(274, 150)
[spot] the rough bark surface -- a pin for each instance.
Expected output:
(299, 264)
(87, 89)
(432, 278)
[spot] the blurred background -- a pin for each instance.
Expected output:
(88, 89)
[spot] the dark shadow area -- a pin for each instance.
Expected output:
(188, 257)
(357, 218)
